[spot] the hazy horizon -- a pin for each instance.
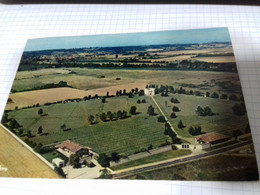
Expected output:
(194, 36)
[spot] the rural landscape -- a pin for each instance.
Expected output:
(159, 111)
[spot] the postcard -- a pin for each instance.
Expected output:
(164, 105)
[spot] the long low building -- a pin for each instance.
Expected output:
(211, 138)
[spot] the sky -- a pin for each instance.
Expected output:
(131, 39)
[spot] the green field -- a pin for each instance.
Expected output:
(225, 121)
(123, 136)
(153, 158)
(87, 78)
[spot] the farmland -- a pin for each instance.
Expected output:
(19, 161)
(99, 98)
(224, 122)
(124, 136)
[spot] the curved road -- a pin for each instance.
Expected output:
(166, 164)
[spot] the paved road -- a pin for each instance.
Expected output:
(166, 164)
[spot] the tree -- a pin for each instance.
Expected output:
(103, 117)
(104, 160)
(74, 160)
(103, 100)
(150, 147)
(124, 114)
(173, 115)
(248, 130)
(141, 92)
(138, 101)
(180, 125)
(5, 118)
(233, 97)
(239, 109)
(105, 174)
(161, 119)
(195, 130)
(107, 94)
(136, 90)
(237, 133)
(208, 111)
(40, 130)
(110, 115)
(20, 131)
(29, 134)
(223, 96)
(91, 119)
(143, 101)
(200, 111)
(132, 110)
(119, 114)
(115, 157)
(174, 100)
(63, 127)
(207, 94)
(40, 111)
(14, 124)
(150, 110)
(214, 95)
(175, 109)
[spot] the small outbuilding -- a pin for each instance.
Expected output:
(58, 162)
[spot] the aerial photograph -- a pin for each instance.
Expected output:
(165, 105)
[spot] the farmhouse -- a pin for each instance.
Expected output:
(211, 138)
(149, 91)
(69, 147)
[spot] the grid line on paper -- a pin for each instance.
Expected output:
(17, 24)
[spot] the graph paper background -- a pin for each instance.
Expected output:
(21, 22)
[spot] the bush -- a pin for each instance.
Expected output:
(233, 98)
(173, 115)
(175, 109)
(161, 119)
(214, 95)
(223, 96)
(239, 109)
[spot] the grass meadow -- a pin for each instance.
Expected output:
(123, 136)
(224, 121)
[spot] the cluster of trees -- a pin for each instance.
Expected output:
(206, 111)
(46, 86)
(38, 147)
(141, 101)
(74, 159)
(239, 109)
(196, 130)
(175, 100)
(109, 116)
(104, 159)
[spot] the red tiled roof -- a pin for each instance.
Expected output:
(211, 137)
(70, 145)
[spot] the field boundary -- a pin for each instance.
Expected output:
(28, 147)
